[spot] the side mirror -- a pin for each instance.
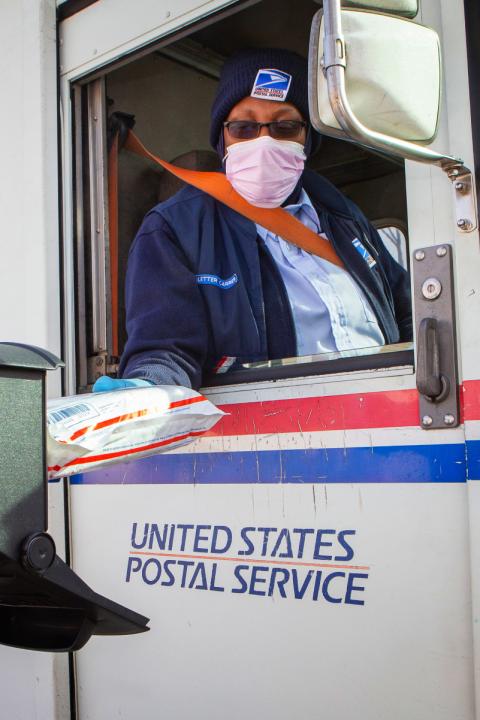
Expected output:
(391, 76)
(375, 79)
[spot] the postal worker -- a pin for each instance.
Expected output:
(207, 289)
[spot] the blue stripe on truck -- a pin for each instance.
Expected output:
(390, 464)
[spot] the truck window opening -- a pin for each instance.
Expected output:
(165, 89)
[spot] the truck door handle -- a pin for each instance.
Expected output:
(430, 382)
(436, 360)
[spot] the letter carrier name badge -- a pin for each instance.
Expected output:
(271, 85)
(217, 281)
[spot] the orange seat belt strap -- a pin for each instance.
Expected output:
(277, 220)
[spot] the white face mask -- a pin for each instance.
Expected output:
(264, 171)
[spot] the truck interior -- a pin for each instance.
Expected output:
(169, 90)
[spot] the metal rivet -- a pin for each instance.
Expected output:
(463, 223)
(449, 419)
(431, 288)
(441, 251)
(460, 186)
(419, 255)
(427, 420)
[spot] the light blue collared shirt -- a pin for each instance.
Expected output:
(330, 311)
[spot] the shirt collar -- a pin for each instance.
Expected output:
(304, 204)
(303, 210)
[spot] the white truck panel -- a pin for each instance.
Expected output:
(29, 291)
(109, 29)
(430, 194)
(217, 654)
(32, 685)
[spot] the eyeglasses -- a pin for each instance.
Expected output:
(278, 129)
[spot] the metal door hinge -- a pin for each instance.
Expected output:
(464, 197)
(436, 369)
(100, 364)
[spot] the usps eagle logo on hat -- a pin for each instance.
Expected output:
(271, 85)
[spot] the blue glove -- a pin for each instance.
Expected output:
(108, 384)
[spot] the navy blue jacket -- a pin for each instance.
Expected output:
(179, 329)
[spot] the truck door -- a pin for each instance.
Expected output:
(311, 556)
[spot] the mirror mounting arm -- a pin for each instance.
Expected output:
(333, 66)
(334, 43)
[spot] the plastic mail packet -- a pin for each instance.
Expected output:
(98, 429)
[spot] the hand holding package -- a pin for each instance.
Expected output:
(89, 431)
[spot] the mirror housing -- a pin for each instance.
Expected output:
(405, 8)
(358, 114)
(396, 93)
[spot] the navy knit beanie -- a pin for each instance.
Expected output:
(267, 73)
